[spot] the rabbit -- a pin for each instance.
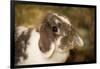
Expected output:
(52, 43)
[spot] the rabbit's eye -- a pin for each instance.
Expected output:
(54, 29)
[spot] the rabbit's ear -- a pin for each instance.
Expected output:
(46, 44)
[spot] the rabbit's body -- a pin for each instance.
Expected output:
(50, 44)
(35, 56)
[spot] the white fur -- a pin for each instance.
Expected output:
(21, 29)
(65, 19)
(56, 21)
(35, 56)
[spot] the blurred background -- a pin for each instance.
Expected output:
(82, 18)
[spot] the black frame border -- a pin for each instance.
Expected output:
(12, 30)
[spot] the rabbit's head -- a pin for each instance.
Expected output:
(56, 32)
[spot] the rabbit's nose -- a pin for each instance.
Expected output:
(79, 41)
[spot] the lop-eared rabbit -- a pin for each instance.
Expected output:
(50, 43)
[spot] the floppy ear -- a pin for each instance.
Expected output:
(46, 44)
